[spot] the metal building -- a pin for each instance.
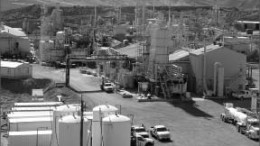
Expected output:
(15, 70)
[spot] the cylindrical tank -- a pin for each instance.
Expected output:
(69, 131)
(116, 130)
(99, 112)
(60, 111)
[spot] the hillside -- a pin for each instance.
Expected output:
(244, 4)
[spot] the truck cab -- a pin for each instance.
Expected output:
(243, 94)
(252, 128)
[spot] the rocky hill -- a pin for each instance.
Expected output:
(244, 4)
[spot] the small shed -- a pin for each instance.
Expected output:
(15, 70)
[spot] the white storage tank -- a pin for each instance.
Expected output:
(30, 138)
(116, 130)
(29, 124)
(100, 112)
(69, 131)
(67, 109)
(60, 111)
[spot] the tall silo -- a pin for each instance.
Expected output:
(58, 112)
(100, 112)
(116, 130)
(69, 131)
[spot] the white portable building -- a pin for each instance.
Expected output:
(29, 124)
(38, 137)
(15, 70)
(33, 108)
(30, 114)
(33, 104)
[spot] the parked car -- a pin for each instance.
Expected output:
(108, 87)
(135, 129)
(242, 94)
(160, 132)
(125, 94)
(141, 135)
(144, 140)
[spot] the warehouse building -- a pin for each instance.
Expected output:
(225, 69)
(13, 41)
(15, 70)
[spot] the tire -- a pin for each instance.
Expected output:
(249, 135)
(238, 129)
(158, 138)
(221, 117)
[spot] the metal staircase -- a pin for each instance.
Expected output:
(164, 87)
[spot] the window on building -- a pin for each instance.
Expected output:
(8, 70)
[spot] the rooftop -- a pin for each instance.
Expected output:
(178, 55)
(30, 114)
(39, 132)
(18, 32)
(37, 103)
(249, 22)
(33, 108)
(209, 48)
(10, 64)
(31, 119)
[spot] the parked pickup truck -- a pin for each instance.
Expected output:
(252, 128)
(242, 94)
(160, 132)
(141, 136)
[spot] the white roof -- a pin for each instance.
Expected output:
(10, 64)
(32, 108)
(249, 22)
(209, 48)
(29, 114)
(29, 120)
(37, 103)
(178, 55)
(13, 31)
(159, 126)
(40, 132)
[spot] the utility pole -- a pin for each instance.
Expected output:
(0, 124)
(204, 66)
(81, 122)
(153, 9)
(257, 101)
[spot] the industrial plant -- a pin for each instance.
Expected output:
(129, 75)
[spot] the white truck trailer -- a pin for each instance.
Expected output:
(242, 118)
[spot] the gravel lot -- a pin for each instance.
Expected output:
(191, 124)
